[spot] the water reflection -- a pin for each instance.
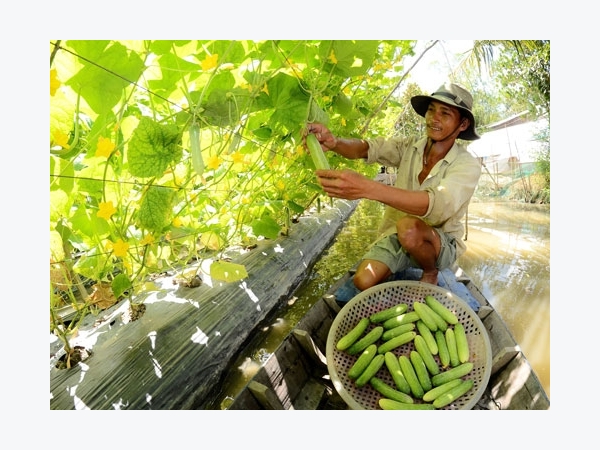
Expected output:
(508, 257)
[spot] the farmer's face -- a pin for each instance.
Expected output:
(443, 121)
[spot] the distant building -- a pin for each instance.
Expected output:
(510, 147)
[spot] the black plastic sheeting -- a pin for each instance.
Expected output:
(175, 355)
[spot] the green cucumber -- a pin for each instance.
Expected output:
(316, 152)
(421, 370)
(389, 392)
(439, 320)
(428, 336)
(452, 348)
(370, 338)
(373, 367)
(451, 374)
(396, 342)
(426, 355)
(425, 316)
(397, 331)
(453, 394)
(442, 310)
(362, 362)
(393, 366)
(195, 149)
(402, 319)
(434, 393)
(353, 335)
(443, 353)
(462, 345)
(389, 404)
(411, 376)
(389, 313)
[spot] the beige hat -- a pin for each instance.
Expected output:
(454, 95)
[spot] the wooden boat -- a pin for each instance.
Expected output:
(295, 376)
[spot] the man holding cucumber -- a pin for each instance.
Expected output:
(436, 178)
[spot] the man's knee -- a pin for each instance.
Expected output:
(363, 282)
(409, 231)
(369, 273)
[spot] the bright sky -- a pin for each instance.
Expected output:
(434, 68)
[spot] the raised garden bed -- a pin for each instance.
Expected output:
(174, 355)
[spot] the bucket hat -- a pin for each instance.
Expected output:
(454, 95)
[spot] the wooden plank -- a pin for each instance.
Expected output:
(311, 395)
(517, 387)
(287, 371)
(265, 396)
(306, 342)
(447, 279)
(501, 340)
(245, 400)
(502, 357)
(329, 300)
(317, 322)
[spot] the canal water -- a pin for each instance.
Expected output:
(508, 258)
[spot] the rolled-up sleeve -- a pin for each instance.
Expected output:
(388, 152)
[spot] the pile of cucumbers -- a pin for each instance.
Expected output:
(434, 330)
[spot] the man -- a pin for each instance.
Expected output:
(436, 178)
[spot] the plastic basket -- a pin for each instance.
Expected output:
(384, 296)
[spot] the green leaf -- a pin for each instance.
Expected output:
(62, 173)
(295, 207)
(353, 58)
(342, 104)
(317, 114)
(60, 205)
(163, 46)
(121, 284)
(266, 226)
(227, 271)
(104, 77)
(172, 69)
(156, 208)
(152, 148)
(86, 221)
(221, 109)
(228, 51)
(89, 263)
(89, 49)
(290, 102)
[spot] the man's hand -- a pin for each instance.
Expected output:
(327, 140)
(345, 184)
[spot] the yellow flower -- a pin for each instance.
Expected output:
(61, 139)
(177, 222)
(54, 82)
(280, 185)
(107, 209)
(148, 239)
(265, 89)
(210, 62)
(120, 248)
(332, 58)
(237, 157)
(104, 147)
(213, 162)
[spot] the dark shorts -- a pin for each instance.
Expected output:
(388, 251)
